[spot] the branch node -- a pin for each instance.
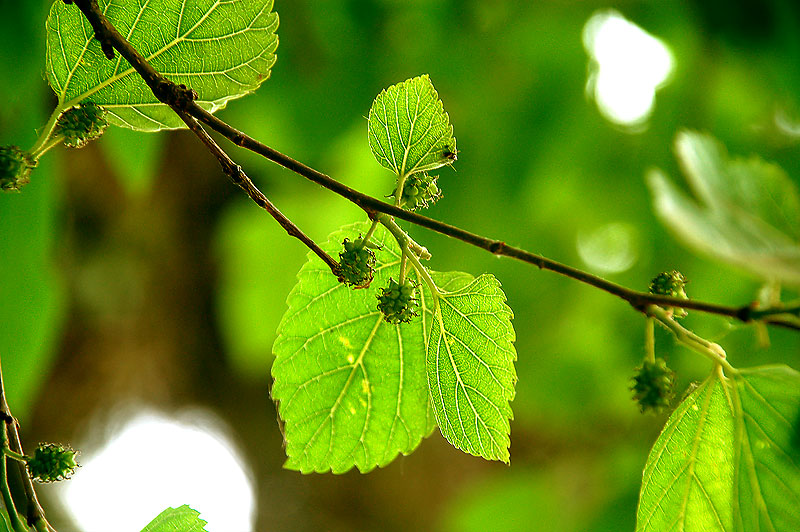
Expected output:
(745, 314)
(176, 96)
(497, 247)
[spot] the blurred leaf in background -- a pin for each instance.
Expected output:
(748, 212)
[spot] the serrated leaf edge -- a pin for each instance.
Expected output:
(504, 410)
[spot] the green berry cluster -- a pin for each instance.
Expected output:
(82, 124)
(397, 302)
(653, 386)
(420, 191)
(669, 284)
(15, 168)
(52, 462)
(356, 264)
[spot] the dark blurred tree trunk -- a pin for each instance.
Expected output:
(140, 322)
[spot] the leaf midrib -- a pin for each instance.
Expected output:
(178, 38)
(691, 459)
(356, 364)
(460, 382)
(749, 457)
(695, 447)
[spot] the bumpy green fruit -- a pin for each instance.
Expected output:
(420, 191)
(15, 168)
(397, 302)
(82, 124)
(653, 385)
(52, 462)
(356, 264)
(671, 284)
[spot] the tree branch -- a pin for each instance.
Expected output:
(239, 178)
(182, 99)
(35, 514)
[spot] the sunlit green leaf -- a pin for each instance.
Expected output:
(767, 404)
(223, 50)
(182, 519)
(408, 129)
(689, 473)
(724, 461)
(351, 387)
(746, 212)
(4, 521)
(470, 365)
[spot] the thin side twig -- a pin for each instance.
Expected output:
(35, 515)
(239, 178)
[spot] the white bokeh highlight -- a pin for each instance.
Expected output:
(627, 67)
(155, 462)
(610, 248)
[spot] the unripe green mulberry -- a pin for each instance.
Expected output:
(653, 386)
(15, 168)
(356, 264)
(52, 462)
(420, 191)
(397, 302)
(671, 284)
(82, 124)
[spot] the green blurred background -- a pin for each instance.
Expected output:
(133, 271)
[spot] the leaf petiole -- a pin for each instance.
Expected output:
(398, 192)
(364, 241)
(403, 264)
(700, 345)
(423, 272)
(649, 340)
(403, 241)
(16, 456)
(46, 139)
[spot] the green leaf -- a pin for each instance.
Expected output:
(470, 364)
(725, 460)
(182, 519)
(351, 387)
(5, 525)
(408, 129)
(746, 212)
(688, 476)
(767, 488)
(223, 50)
